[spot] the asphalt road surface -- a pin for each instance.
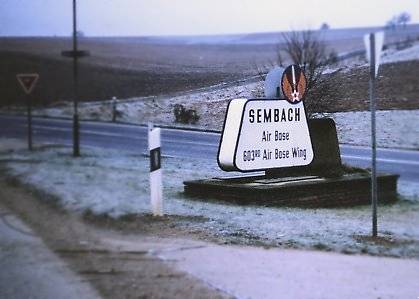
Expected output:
(29, 269)
(184, 143)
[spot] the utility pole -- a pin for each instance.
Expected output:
(75, 54)
(76, 126)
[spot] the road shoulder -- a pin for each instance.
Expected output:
(121, 264)
(29, 269)
(116, 272)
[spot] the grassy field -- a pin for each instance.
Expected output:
(137, 66)
(119, 69)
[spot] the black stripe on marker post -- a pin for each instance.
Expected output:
(155, 159)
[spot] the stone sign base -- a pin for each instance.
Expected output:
(325, 182)
(307, 191)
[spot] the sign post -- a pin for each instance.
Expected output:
(156, 192)
(76, 126)
(374, 44)
(28, 82)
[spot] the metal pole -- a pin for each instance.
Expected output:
(29, 106)
(76, 136)
(373, 138)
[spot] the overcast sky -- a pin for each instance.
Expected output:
(184, 17)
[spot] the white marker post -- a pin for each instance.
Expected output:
(373, 44)
(155, 171)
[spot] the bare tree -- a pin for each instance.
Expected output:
(262, 70)
(325, 26)
(404, 18)
(398, 20)
(391, 24)
(307, 49)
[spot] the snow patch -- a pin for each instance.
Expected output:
(393, 56)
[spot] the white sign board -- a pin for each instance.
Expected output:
(378, 46)
(264, 134)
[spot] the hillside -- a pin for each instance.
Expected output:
(129, 67)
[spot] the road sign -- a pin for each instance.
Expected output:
(293, 84)
(27, 81)
(263, 134)
(272, 83)
(378, 45)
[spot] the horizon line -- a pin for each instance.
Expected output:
(200, 35)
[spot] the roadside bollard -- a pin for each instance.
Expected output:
(156, 192)
(114, 102)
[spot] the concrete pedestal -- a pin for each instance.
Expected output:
(303, 191)
(323, 183)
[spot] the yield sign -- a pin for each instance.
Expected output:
(378, 38)
(27, 81)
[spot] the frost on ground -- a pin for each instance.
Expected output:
(210, 105)
(395, 128)
(116, 184)
(393, 55)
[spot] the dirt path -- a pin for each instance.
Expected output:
(115, 271)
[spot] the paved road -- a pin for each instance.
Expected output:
(28, 269)
(182, 143)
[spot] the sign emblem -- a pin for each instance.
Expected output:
(27, 81)
(293, 84)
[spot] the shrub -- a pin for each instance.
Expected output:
(185, 116)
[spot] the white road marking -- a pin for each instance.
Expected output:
(365, 158)
(381, 149)
(191, 131)
(85, 132)
(144, 138)
(409, 162)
